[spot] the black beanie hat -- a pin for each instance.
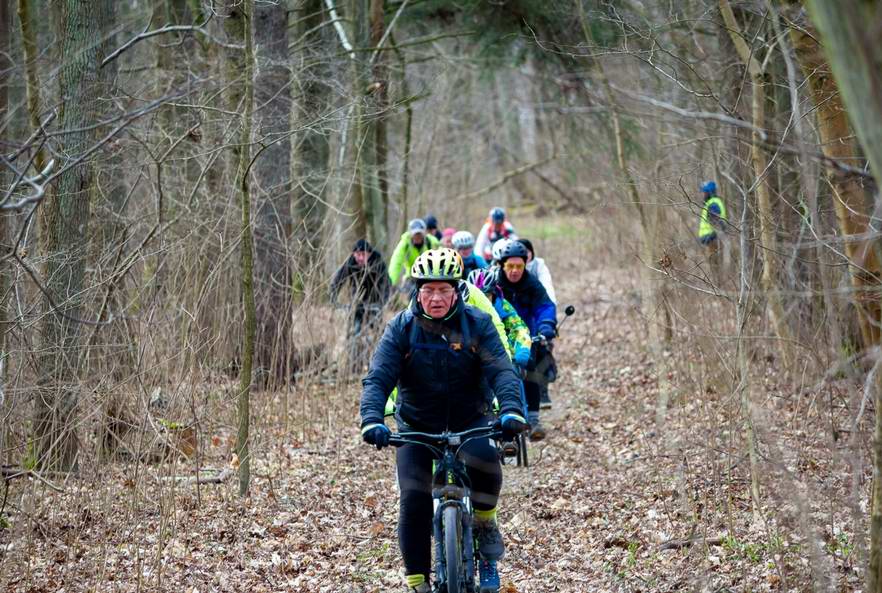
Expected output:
(362, 245)
(528, 244)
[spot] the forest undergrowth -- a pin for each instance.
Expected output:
(614, 500)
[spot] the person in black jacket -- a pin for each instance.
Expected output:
(530, 299)
(432, 226)
(369, 288)
(436, 352)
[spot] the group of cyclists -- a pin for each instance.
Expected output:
(473, 347)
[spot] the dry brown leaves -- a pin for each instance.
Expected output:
(604, 492)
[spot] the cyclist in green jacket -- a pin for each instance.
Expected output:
(414, 241)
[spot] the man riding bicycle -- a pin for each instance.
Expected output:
(413, 242)
(437, 352)
(365, 273)
(532, 303)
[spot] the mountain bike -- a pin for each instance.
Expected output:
(456, 555)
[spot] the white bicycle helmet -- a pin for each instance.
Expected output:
(463, 240)
(499, 247)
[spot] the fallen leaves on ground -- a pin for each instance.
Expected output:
(603, 493)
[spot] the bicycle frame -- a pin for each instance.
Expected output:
(450, 488)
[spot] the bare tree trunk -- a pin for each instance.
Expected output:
(742, 309)
(239, 27)
(380, 100)
(173, 61)
(768, 241)
(408, 133)
(6, 65)
(837, 142)
(369, 93)
(272, 177)
(311, 148)
(849, 30)
(64, 234)
(29, 44)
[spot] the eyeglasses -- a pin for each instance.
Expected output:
(513, 267)
(441, 293)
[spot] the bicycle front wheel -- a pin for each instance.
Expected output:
(453, 549)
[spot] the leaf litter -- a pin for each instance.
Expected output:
(611, 502)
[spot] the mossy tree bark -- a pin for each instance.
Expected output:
(369, 93)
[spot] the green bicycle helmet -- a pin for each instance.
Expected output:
(437, 265)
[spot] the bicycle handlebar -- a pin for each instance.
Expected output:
(446, 438)
(372, 307)
(567, 313)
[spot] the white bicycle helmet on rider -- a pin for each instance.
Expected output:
(499, 248)
(463, 240)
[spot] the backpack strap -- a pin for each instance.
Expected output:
(466, 336)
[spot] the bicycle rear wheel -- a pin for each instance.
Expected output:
(452, 523)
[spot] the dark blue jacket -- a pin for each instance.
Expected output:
(530, 301)
(438, 366)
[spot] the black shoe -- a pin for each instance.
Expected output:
(544, 400)
(537, 432)
(490, 543)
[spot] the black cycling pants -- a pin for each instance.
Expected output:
(364, 318)
(415, 483)
(533, 391)
(539, 373)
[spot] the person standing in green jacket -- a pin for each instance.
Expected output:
(413, 242)
(711, 233)
(713, 214)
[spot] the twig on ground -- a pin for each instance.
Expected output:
(214, 478)
(676, 544)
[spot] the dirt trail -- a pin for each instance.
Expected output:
(602, 495)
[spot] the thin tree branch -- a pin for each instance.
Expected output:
(147, 34)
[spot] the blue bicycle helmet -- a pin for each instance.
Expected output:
(511, 249)
(497, 215)
(709, 187)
